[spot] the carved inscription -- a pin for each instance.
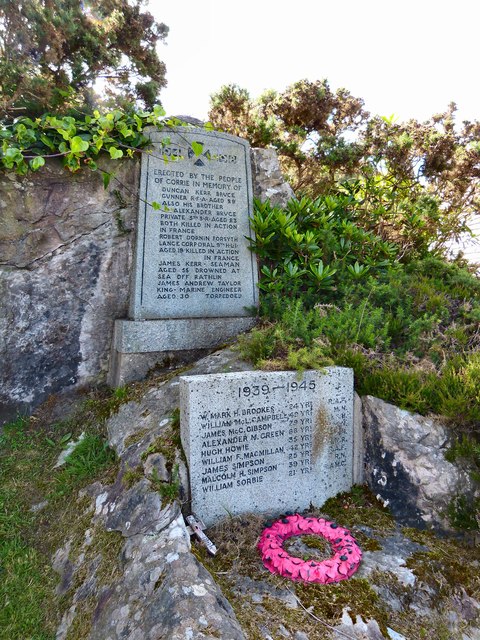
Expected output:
(277, 436)
(199, 223)
(196, 260)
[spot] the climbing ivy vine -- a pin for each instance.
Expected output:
(78, 141)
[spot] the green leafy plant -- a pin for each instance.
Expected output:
(310, 246)
(467, 449)
(464, 513)
(77, 141)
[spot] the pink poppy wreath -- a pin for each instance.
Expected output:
(340, 566)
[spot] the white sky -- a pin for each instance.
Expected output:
(408, 57)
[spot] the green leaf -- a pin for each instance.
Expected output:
(155, 206)
(22, 168)
(36, 163)
(47, 142)
(78, 145)
(159, 111)
(115, 153)
(72, 162)
(13, 154)
(106, 179)
(197, 148)
(65, 438)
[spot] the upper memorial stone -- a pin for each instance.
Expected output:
(192, 257)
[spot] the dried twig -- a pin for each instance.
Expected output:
(325, 624)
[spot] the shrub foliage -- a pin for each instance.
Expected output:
(408, 324)
(53, 51)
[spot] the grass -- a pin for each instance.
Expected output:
(27, 580)
(29, 608)
(26, 586)
(89, 458)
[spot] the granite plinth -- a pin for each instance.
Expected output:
(175, 335)
(267, 442)
(141, 346)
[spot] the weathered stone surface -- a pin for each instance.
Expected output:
(177, 335)
(63, 241)
(137, 510)
(268, 182)
(358, 630)
(162, 592)
(405, 464)
(392, 557)
(65, 261)
(155, 465)
(267, 442)
(358, 447)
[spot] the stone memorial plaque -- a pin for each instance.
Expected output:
(267, 442)
(192, 258)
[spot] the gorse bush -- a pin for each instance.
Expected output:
(412, 183)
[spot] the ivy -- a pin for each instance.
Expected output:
(26, 143)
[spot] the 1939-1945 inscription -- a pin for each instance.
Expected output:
(267, 441)
(192, 253)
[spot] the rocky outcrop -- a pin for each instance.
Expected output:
(405, 464)
(268, 182)
(133, 576)
(65, 247)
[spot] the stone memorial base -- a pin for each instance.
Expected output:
(269, 442)
(140, 345)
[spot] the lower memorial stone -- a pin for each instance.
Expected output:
(267, 442)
